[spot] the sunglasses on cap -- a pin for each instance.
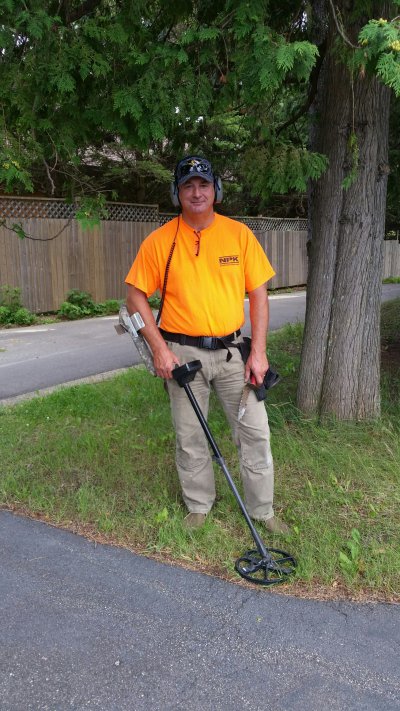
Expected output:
(194, 166)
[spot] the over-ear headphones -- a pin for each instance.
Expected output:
(194, 166)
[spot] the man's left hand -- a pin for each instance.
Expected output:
(256, 366)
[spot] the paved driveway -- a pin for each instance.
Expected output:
(86, 627)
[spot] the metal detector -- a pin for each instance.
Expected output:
(264, 566)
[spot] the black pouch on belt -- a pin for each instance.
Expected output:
(271, 378)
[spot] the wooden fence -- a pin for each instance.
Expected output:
(45, 266)
(391, 263)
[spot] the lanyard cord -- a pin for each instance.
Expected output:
(166, 273)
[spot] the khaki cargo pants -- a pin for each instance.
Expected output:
(251, 434)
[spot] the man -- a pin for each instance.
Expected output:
(203, 263)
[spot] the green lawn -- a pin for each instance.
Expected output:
(99, 459)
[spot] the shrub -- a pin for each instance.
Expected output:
(5, 314)
(79, 304)
(23, 317)
(154, 302)
(10, 296)
(111, 306)
(392, 280)
(70, 311)
(82, 299)
(11, 309)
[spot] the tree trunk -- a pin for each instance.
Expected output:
(340, 364)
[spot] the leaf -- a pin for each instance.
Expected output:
(285, 57)
(388, 69)
(18, 229)
(344, 559)
(162, 516)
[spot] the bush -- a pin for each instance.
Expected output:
(392, 280)
(82, 299)
(79, 304)
(5, 314)
(10, 296)
(111, 306)
(70, 311)
(154, 302)
(23, 317)
(11, 309)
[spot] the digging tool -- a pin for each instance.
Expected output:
(264, 566)
(271, 378)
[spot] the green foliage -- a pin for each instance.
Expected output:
(23, 317)
(5, 314)
(111, 306)
(80, 304)
(72, 312)
(11, 309)
(99, 102)
(154, 301)
(380, 53)
(10, 296)
(91, 210)
(350, 562)
(13, 175)
(80, 298)
(282, 169)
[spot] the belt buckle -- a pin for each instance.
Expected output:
(208, 342)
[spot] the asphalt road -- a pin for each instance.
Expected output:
(86, 627)
(40, 357)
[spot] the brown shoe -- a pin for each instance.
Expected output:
(194, 520)
(275, 525)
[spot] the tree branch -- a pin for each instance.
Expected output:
(311, 93)
(85, 9)
(339, 27)
(51, 181)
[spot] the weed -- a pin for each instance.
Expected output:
(350, 561)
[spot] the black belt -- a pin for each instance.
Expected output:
(210, 342)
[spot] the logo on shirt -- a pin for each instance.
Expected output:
(229, 260)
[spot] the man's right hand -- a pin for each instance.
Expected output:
(164, 362)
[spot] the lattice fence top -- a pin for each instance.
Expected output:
(58, 209)
(126, 212)
(278, 224)
(260, 224)
(166, 217)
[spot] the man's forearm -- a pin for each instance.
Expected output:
(164, 359)
(137, 301)
(259, 318)
(257, 362)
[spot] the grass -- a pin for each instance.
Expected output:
(99, 459)
(392, 280)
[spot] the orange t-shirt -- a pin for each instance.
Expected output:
(209, 273)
